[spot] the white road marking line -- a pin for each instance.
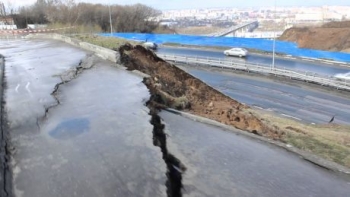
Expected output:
(17, 87)
(258, 107)
(27, 87)
(291, 117)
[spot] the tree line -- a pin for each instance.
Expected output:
(128, 18)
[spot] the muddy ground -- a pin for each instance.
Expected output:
(172, 87)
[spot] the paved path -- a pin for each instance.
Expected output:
(291, 99)
(313, 67)
(221, 163)
(96, 142)
(92, 137)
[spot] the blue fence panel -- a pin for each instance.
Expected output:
(288, 48)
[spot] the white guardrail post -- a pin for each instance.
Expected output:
(292, 74)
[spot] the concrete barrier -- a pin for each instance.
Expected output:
(102, 52)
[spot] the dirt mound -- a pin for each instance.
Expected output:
(172, 87)
(334, 36)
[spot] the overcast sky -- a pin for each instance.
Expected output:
(184, 4)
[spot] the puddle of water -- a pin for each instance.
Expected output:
(70, 128)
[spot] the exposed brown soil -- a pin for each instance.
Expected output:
(172, 87)
(334, 36)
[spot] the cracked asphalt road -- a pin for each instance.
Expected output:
(221, 163)
(98, 140)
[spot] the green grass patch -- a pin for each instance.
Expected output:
(321, 147)
(106, 42)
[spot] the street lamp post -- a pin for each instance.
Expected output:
(110, 17)
(274, 39)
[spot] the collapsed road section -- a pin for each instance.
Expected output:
(220, 163)
(101, 139)
(173, 87)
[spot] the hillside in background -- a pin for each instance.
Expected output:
(333, 36)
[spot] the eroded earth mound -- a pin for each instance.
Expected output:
(172, 87)
(334, 36)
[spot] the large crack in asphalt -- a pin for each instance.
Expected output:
(175, 168)
(87, 63)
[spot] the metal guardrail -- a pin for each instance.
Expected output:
(263, 69)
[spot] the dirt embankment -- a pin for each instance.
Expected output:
(172, 87)
(334, 36)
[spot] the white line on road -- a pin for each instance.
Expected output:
(17, 87)
(291, 117)
(27, 87)
(258, 107)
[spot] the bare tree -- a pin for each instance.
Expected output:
(134, 18)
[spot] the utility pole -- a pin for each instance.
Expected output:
(110, 17)
(274, 40)
(26, 18)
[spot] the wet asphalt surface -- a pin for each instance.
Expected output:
(297, 101)
(308, 66)
(29, 71)
(221, 163)
(98, 140)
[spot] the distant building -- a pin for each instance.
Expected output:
(7, 23)
(315, 16)
(37, 26)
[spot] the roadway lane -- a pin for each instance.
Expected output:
(87, 145)
(220, 163)
(313, 67)
(98, 141)
(293, 100)
(29, 75)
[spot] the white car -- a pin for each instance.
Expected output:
(240, 52)
(150, 45)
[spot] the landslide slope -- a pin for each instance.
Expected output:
(333, 36)
(172, 87)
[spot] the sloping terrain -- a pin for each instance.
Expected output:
(334, 36)
(172, 87)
